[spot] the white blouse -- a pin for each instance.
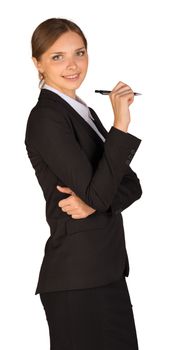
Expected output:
(79, 105)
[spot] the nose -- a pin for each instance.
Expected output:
(71, 64)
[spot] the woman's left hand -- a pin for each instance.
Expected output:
(74, 205)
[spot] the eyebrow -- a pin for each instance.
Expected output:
(65, 52)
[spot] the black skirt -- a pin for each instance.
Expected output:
(99, 318)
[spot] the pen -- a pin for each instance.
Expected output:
(106, 92)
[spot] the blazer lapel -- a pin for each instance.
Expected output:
(50, 95)
(98, 123)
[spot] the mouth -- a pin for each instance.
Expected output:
(72, 77)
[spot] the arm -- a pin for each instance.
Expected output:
(51, 134)
(129, 189)
(128, 192)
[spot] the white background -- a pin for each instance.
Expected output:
(143, 44)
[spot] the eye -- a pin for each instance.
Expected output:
(81, 53)
(56, 57)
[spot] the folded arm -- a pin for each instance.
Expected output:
(51, 134)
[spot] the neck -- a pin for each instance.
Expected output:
(69, 93)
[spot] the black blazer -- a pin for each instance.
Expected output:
(64, 150)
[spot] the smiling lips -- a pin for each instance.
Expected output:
(72, 77)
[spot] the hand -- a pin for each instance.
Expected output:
(73, 205)
(121, 98)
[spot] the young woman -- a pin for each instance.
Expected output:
(85, 175)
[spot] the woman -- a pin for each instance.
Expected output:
(87, 182)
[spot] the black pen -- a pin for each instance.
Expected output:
(106, 92)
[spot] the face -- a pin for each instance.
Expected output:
(64, 65)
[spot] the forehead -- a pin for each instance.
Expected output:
(67, 41)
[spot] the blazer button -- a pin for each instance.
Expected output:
(133, 151)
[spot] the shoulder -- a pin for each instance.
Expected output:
(48, 112)
(45, 120)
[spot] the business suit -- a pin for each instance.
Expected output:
(64, 150)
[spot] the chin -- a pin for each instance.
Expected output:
(73, 86)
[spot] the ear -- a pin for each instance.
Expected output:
(37, 64)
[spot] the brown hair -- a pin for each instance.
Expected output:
(47, 33)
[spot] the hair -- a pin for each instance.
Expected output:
(47, 33)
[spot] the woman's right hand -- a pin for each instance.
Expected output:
(121, 98)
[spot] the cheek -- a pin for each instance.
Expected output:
(50, 69)
(57, 70)
(84, 64)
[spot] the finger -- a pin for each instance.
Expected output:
(62, 203)
(64, 189)
(122, 88)
(67, 190)
(65, 208)
(60, 188)
(76, 217)
(125, 92)
(118, 85)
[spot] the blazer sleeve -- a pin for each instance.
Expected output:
(51, 134)
(128, 192)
